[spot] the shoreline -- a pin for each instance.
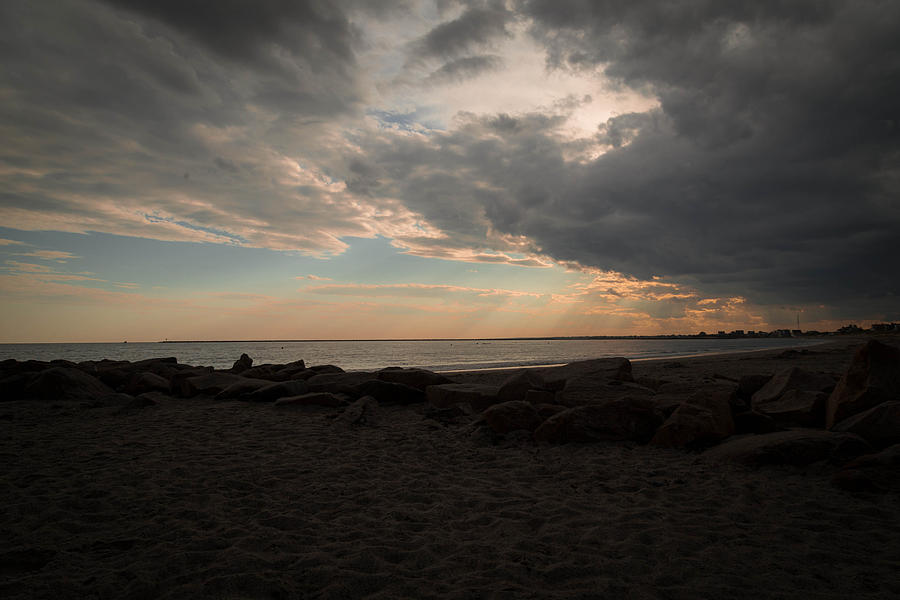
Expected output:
(820, 342)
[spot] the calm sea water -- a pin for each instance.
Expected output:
(437, 355)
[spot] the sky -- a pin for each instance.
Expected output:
(353, 169)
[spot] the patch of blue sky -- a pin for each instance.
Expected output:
(421, 119)
(222, 233)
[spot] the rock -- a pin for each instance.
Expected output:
(794, 447)
(311, 399)
(417, 378)
(517, 385)
(540, 397)
(65, 383)
(323, 369)
(208, 383)
(293, 370)
(242, 364)
(477, 396)
(545, 411)
(511, 416)
(390, 393)
(600, 369)
(872, 378)
(274, 391)
(241, 388)
(362, 412)
(116, 378)
(304, 374)
(702, 420)
(669, 403)
(796, 408)
(792, 378)
(268, 372)
(652, 383)
(625, 419)
(338, 383)
(146, 382)
(749, 385)
(598, 381)
(754, 422)
(880, 425)
(872, 472)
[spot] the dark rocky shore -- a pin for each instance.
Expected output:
(816, 431)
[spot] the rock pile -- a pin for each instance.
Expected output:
(792, 417)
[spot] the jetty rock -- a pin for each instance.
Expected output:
(417, 378)
(793, 447)
(872, 378)
(634, 419)
(242, 364)
(65, 383)
(880, 425)
(477, 396)
(702, 420)
(514, 415)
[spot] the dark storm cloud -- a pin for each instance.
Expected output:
(478, 26)
(243, 30)
(465, 68)
(770, 169)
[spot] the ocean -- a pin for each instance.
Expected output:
(436, 355)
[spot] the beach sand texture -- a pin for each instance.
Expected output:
(229, 499)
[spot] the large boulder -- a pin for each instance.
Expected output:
(872, 378)
(267, 371)
(794, 447)
(241, 388)
(872, 472)
(509, 416)
(880, 425)
(517, 385)
(754, 422)
(274, 391)
(633, 419)
(792, 378)
(796, 408)
(208, 384)
(65, 383)
(749, 385)
(603, 369)
(242, 364)
(596, 381)
(338, 382)
(477, 396)
(704, 419)
(146, 382)
(386, 392)
(417, 378)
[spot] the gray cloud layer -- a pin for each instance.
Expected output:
(769, 170)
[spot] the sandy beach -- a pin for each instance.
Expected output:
(231, 499)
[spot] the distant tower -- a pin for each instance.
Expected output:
(798, 320)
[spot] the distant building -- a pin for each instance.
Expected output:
(885, 327)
